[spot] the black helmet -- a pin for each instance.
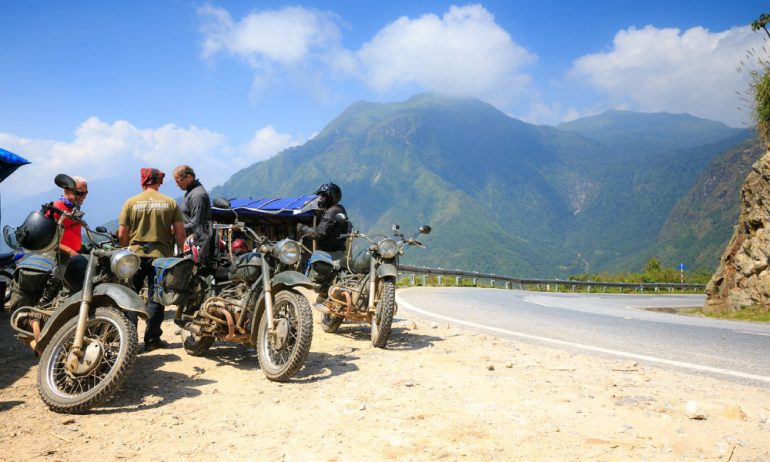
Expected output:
(38, 233)
(331, 192)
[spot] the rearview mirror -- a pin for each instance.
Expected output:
(65, 182)
(424, 229)
(101, 229)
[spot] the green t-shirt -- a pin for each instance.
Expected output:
(149, 216)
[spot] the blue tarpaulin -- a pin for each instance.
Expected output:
(301, 207)
(9, 162)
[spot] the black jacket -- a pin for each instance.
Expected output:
(196, 212)
(334, 222)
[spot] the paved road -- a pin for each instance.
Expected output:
(617, 325)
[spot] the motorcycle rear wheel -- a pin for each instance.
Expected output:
(383, 314)
(64, 393)
(282, 362)
(195, 345)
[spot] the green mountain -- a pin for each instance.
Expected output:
(708, 213)
(502, 195)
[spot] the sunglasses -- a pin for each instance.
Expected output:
(80, 193)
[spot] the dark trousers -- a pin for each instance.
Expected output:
(155, 310)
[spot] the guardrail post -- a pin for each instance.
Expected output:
(440, 280)
(573, 287)
(508, 285)
(548, 287)
(458, 280)
(588, 288)
(424, 280)
(492, 283)
(475, 282)
(411, 279)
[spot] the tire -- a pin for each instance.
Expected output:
(281, 364)
(195, 345)
(64, 394)
(330, 323)
(385, 307)
(8, 280)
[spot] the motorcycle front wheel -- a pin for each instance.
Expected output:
(282, 355)
(110, 343)
(385, 307)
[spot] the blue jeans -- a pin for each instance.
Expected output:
(155, 310)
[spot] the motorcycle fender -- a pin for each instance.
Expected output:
(104, 294)
(287, 279)
(387, 270)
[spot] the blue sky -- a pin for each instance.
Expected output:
(97, 88)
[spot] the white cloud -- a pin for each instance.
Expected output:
(103, 150)
(267, 142)
(655, 69)
(464, 52)
(288, 36)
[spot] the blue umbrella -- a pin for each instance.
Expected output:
(9, 162)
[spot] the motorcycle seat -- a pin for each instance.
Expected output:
(6, 258)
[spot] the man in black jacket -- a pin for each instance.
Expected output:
(334, 221)
(196, 210)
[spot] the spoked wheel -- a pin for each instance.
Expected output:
(282, 355)
(109, 353)
(330, 323)
(195, 345)
(385, 307)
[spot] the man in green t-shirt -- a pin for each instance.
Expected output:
(150, 223)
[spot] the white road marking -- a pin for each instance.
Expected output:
(698, 367)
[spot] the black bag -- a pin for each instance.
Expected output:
(172, 280)
(29, 280)
(247, 268)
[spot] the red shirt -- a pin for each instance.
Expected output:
(71, 236)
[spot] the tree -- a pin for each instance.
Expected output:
(759, 82)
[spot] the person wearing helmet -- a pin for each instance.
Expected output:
(334, 221)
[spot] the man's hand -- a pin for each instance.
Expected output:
(302, 229)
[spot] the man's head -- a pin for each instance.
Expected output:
(329, 194)
(184, 176)
(151, 178)
(80, 193)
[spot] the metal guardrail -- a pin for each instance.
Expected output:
(509, 282)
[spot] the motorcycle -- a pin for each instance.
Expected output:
(251, 299)
(8, 261)
(86, 343)
(374, 270)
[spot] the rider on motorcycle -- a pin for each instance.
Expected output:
(334, 222)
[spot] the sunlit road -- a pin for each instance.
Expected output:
(616, 325)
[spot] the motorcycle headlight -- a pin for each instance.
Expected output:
(287, 251)
(124, 263)
(387, 248)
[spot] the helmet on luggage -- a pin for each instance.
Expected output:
(38, 233)
(239, 246)
(329, 193)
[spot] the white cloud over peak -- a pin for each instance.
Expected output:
(654, 69)
(463, 52)
(104, 150)
(267, 142)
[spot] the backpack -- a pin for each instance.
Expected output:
(172, 280)
(29, 280)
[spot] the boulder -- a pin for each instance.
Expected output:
(743, 275)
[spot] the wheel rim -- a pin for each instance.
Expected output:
(64, 384)
(286, 315)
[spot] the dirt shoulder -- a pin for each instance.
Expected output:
(436, 393)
